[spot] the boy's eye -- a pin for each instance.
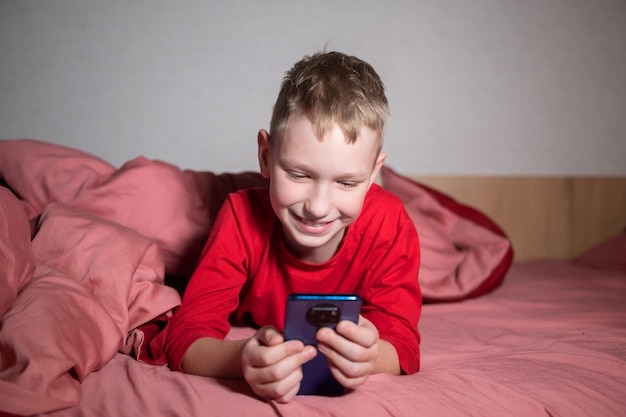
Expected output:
(296, 175)
(348, 184)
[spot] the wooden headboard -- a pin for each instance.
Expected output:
(545, 217)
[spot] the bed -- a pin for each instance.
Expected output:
(523, 280)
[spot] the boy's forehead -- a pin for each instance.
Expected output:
(300, 145)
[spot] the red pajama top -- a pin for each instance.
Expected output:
(246, 272)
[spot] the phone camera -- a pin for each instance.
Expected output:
(323, 315)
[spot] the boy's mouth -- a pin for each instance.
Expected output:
(312, 227)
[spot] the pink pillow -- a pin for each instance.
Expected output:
(464, 254)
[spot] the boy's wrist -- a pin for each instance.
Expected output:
(214, 358)
(388, 360)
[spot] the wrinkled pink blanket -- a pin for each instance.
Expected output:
(71, 300)
(91, 282)
(551, 341)
(94, 272)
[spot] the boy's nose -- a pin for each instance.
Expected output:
(317, 205)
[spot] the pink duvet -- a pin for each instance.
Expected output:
(71, 310)
(103, 240)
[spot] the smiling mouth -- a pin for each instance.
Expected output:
(312, 224)
(315, 227)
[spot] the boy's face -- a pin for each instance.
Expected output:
(317, 187)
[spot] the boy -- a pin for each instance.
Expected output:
(321, 226)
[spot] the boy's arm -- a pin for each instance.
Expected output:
(215, 358)
(394, 299)
(229, 358)
(211, 296)
(271, 366)
(387, 361)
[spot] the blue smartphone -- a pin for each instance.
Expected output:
(305, 315)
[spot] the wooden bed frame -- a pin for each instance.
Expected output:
(545, 217)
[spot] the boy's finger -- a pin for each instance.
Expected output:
(348, 372)
(281, 390)
(271, 355)
(282, 368)
(269, 336)
(365, 334)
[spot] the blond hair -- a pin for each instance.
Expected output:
(331, 87)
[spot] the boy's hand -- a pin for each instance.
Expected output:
(273, 367)
(352, 350)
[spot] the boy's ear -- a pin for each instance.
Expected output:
(380, 160)
(264, 152)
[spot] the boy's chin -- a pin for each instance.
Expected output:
(320, 248)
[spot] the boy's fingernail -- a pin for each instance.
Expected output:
(310, 352)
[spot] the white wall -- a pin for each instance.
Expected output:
(475, 86)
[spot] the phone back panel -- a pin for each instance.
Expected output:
(317, 379)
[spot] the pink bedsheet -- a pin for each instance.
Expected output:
(550, 342)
